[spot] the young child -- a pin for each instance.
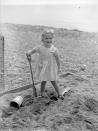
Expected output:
(48, 63)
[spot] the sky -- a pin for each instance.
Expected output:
(70, 14)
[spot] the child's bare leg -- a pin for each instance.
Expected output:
(43, 83)
(56, 87)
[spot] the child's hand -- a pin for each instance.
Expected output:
(28, 57)
(59, 71)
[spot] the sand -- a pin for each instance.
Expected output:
(79, 109)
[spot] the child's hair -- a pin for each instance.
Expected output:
(48, 32)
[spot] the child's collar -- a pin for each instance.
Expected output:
(49, 46)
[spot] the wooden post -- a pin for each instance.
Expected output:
(1, 63)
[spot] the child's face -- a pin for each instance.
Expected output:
(47, 39)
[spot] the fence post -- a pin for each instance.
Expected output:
(1, 63)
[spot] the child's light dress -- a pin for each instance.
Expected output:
(46, 66)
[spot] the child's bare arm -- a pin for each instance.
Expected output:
(57, 59)
(29, 53)
(32, 51)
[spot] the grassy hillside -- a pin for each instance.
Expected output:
(75, 47)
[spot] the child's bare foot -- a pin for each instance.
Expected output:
(61, 97)
(40, 95)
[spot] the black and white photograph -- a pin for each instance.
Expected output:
(48, 65)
